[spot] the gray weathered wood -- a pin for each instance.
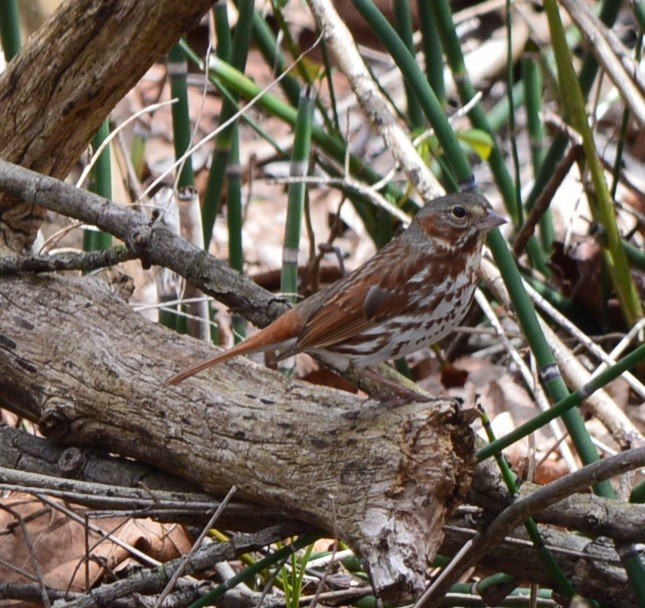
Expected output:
(76, 358)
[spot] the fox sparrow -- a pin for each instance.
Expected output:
(412, 293)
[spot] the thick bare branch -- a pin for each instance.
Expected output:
(382, 479)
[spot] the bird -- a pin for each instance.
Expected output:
(412, 293)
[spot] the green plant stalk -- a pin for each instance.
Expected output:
(608, 12)
(533, 87)
(10, 28)
(639, 13)
(418, 83)
(600, 203)
(403, 25)
(235, 221)
(624, 123)
(529, 524)
(518, 599)
(138, 151)
(238, 48)
(274, 56)
(540, 347)
(275, 558)
(293, 578)
(494, 580)
(635, 570)
(574, 313)
(296, 196)
(499, 114)
(638, 493)
(276, 59)
(290, 43)
(330, 84)
(570, 401)
(94, 240)
(431, 51)
(635, 255)
(182, 132)
(224, 48)
(272, 105)
(620, 148)
(219, 160)
(450, 42)
(509, 93)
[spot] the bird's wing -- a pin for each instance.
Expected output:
(366, 297)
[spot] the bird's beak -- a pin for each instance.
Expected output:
(491, 220)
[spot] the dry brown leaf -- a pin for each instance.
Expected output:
(59, 544)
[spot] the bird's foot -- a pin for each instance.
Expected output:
(397, 394)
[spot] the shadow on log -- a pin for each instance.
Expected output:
(76, 358)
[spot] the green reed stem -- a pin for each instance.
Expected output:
(510, 480)
(533, 90)
(431, 51)
(600, 200)
(273, 55)
(182, 131)
(418, 83)
(509, 93)
(138, 149)
(638, 493)
(499, 114)
(330, 85)
(635, 255)
(10, 28)
(624, 123)
(544, 356)
(275, 58)
(235, 220)
(572, 400)
(234, 49)
(296, 198)
(608, 13)
(520, 598)
(223, 35)
(403, 25)
(94, 240)
(182, 135)
(639, 13)
(332, 145)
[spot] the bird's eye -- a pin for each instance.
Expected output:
(459, 212)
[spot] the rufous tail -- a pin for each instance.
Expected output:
(253, 344)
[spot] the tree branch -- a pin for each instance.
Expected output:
(381, 479)
(526, 507)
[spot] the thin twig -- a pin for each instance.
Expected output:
(186, 558)
(38, 571)
(86, 261)
(544, 200)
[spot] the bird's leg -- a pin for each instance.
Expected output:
(399, 390)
